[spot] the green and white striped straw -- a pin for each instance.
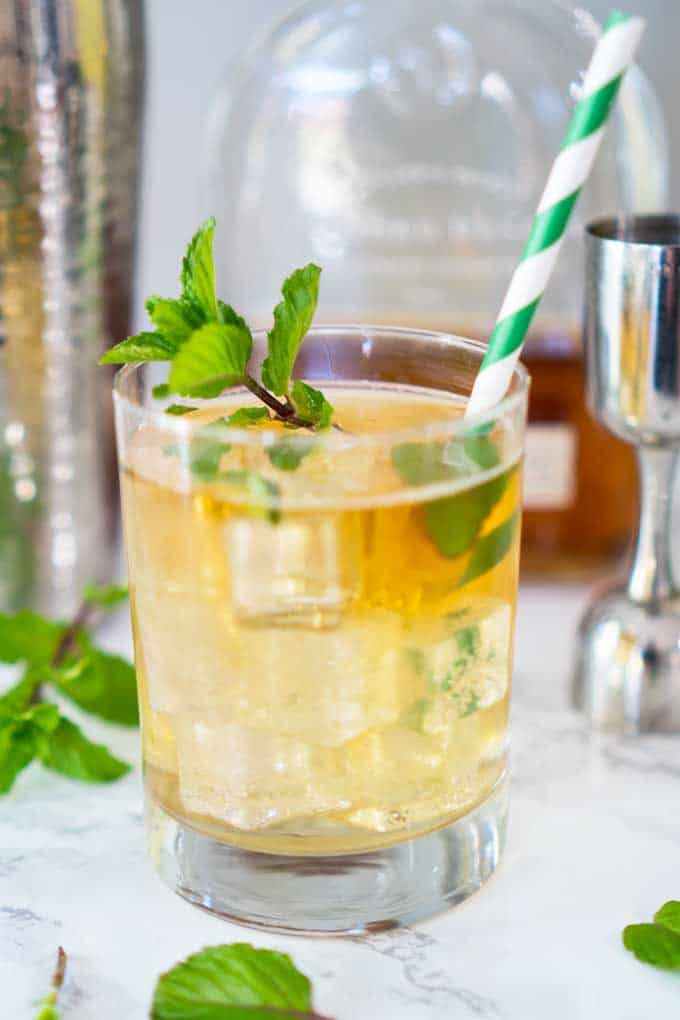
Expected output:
(612, 57)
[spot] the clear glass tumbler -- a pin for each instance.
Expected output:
(323, 628)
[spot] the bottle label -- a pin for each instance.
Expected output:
(549, 467)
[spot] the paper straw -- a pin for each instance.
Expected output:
(613, 55)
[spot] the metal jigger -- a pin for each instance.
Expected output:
(628, 665)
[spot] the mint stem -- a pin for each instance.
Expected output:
(66, 641)
(286, 412)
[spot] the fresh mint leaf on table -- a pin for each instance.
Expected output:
(48, 1006)
(657, 943)
(234, 982)
(64, 657)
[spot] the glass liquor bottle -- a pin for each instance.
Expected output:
(404, 148)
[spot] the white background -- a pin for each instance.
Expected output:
(190, 46)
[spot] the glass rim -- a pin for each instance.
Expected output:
(183, 427)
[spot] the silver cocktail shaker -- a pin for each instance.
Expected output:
(71, 86)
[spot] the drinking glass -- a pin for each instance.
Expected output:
(323, 626)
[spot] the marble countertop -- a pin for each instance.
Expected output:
(594, 844)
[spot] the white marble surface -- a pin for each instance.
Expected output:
(594, 844)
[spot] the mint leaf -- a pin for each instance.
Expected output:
(490, 550)
(292, 318)
(70, 753)
(668, 916)
(175, 319)
(161, 391)
(422, 463)
(17, 750)
(105, 595)
(230, 983)
(264, 493)
(287, 456)
(453, 522)
(652, 943)
(22, 739)
(311, 404)
(214, 357)
(180, 409)
(18, 698)
(103, 685)
(482, 451)
(244, 416)
(227, 315)
(198, 272)
(49, 1003)
(142, 347)
(27, 637)
(206, 456)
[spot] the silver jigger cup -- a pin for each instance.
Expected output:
(627, 674)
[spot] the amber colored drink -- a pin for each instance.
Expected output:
(324, 661)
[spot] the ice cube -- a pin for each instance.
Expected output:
(305, 566)
(323, 686)
(249, 779)
(394, 776)
(183, 648)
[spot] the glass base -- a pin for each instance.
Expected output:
(349, 894)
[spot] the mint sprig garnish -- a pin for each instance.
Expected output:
(657, 943)
(62, 657)
(234, 982)
(48, 1006)
(209, 345)
(292, 318)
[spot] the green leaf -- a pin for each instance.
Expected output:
(652, 943)
(264, 493)
(454, 522)
(206, 456)
(287, 456)
(422, 463)
(227, 315)
(142, 347)
(180, 409)
(198, 272)
(72, 754)
(175, 319)
(214, 357)
(17, 750)
(28, 637)
(490, 550)
(105, 595)
(18, 698)
(161, 391)
(48, 1010)
(230, 983)
(425, 463)
(244, 416)
(102, 684)
(292, 318)
(482, 451)
(668, 916)
(311, 404)
(22, 739)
